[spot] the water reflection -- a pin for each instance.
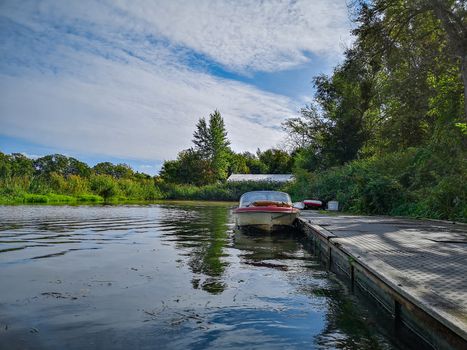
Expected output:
(201, 232)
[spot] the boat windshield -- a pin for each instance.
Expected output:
(255, 196)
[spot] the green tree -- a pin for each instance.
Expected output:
(212, 144)
(62, 165)
(18, 165)
(277, 161)
(190, 167)
(442, 20)
(119, 171)
(238, 164)
(255, 165)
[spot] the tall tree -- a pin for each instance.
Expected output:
(201, 138)
(212, 143)
(276, 160)
(419, 22)
(453, 17)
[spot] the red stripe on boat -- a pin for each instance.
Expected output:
(268, 209)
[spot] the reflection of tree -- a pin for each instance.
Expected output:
(202, 230)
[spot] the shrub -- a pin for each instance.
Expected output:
(76, 185)
(415, 182)
(104, 186)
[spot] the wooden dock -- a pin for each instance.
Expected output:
(416, 270)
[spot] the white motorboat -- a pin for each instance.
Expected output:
(265, 210)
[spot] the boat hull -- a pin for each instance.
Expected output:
(265, 219)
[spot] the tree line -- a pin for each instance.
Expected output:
(198, 173)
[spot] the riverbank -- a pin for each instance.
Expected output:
(122, 192)
(413, 269)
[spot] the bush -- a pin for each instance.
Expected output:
(415, 182)
(76, 185)
(104, 186)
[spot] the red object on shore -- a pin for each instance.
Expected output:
(312, 203)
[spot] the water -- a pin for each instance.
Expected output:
(165, 276)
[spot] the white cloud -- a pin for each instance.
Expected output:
(241, 35)
(126, 110)
(115, 78)
(258, 35)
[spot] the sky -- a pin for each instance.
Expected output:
(127, 80)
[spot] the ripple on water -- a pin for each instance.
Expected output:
(172, 275)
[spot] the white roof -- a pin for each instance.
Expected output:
(260, 177)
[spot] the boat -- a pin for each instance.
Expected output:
(265, 211)
(312, 204)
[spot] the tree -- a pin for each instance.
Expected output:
(276, 161)
(306, 130)
(15, 165)
(441, 22)
(254, 165)
(452, 15)
(237, 164)
(62, 165)
(212, 144)
(104, 185)
(202, 138)
(399, 86)
(119, 171)
(190, 167)
(334, 129)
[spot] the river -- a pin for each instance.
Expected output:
(166, 276)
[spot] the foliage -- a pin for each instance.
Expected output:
(104, 186)
(229, 191)
(212, 144)
(386, 131)
(60, 179)
(276, 161)
(415, 182)
(254, 165)
(119, 171)
(190, 167)
(62, 165)
(211, 160)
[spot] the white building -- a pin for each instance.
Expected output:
(281, 178)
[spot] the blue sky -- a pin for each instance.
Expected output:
(126, 81)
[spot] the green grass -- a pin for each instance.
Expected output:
(34, 198)
(89, 198)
